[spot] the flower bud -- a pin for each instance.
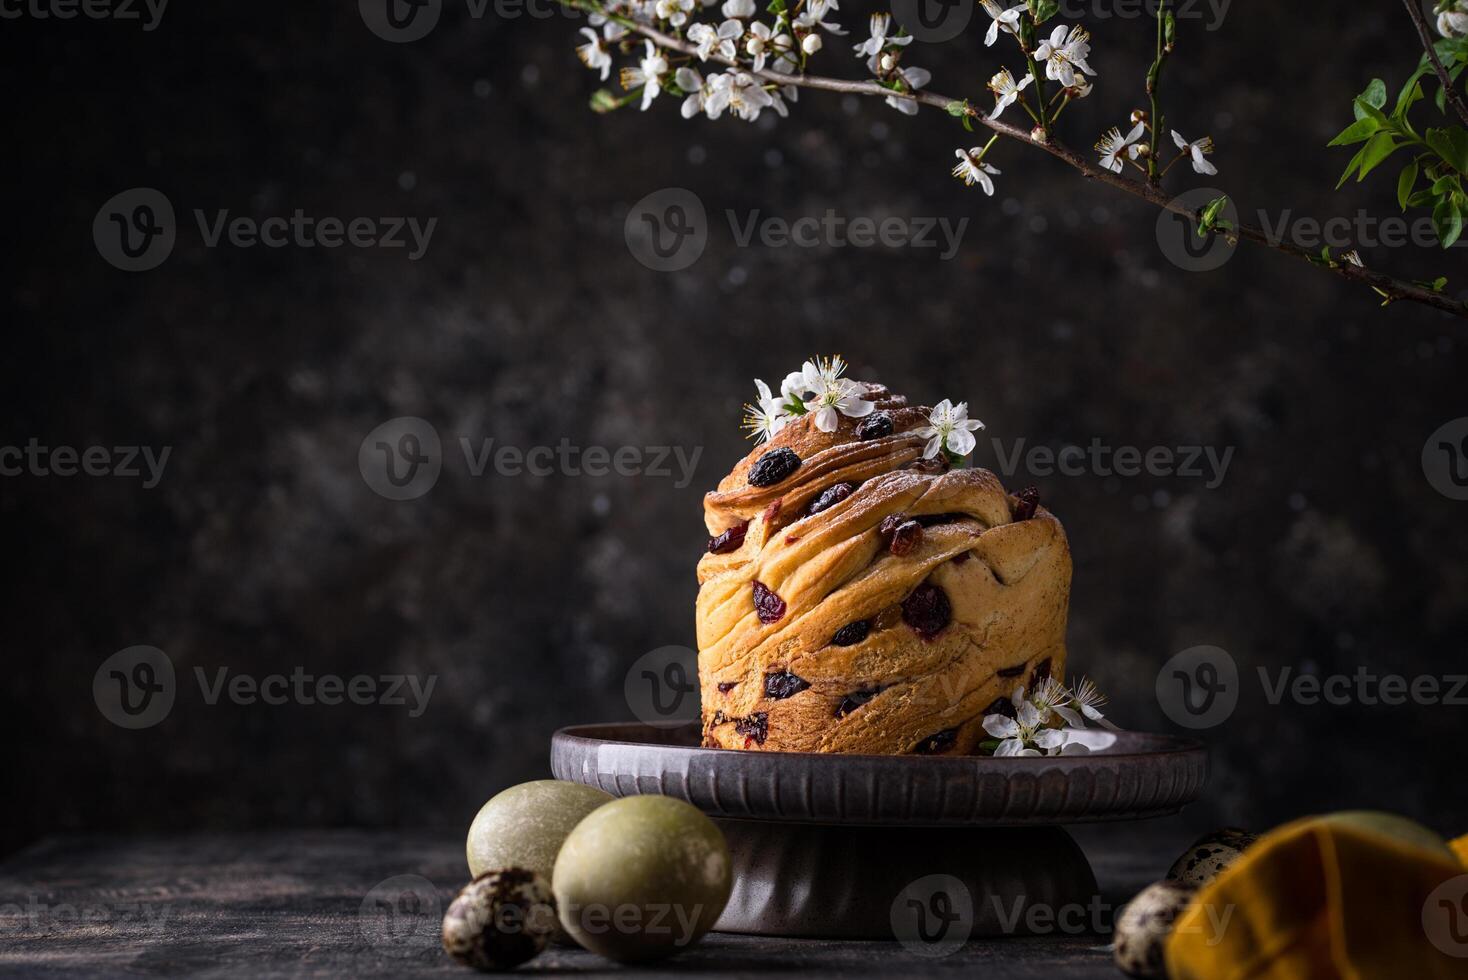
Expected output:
(1038, 135)
(811, 44)
(1144, 150)
(888, 61)
(1139, 115)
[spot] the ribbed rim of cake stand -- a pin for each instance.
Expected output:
(1144, 775)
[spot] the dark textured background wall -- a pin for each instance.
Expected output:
(1059, 320)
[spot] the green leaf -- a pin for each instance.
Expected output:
(1452, 144)
(1357, 132)
(1406, 182)
(1411, 93)
(1352, 167)
(1043, 10)
(1382, 145)
(1365, 110)
(1422, 198)
(1447, 219)
(1374, 97)
(1209, 218)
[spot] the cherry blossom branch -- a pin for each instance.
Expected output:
(1388, 287)
(1154, 79)
(1414, 7)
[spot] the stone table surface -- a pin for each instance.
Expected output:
(367, 904)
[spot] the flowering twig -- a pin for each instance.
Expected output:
(1389, 287)
(1414, 7)
(1165, 29)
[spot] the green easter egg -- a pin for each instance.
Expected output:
(524, 826)
(642, 878)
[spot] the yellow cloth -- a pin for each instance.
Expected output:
(1339, 896)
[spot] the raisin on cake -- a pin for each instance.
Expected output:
(859, 598)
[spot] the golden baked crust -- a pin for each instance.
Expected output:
(896, 691)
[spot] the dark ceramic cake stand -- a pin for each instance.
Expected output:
(838, 845)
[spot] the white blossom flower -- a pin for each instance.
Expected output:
(767, 416)
(649, 74)
(1003, 20)
(1006, 91)
(971, 170)
(949, 428)
(829, 395)
(1017, 734)
(1196, 151)
(1082, 89)
(690, 81)
(811, 43)
(674, 12)
(878, 42)
(814, 15)
(738, 8)
(1081, 704)
(762, 40)
(594, 53)
(1065, 54)
(1113, 145)
(1453, 22)
(1027, 733)
(720, 41)
(740, 93)
(914, 78)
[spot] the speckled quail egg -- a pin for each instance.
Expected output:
(1144, 925)
(500, 920)
(1210, 856)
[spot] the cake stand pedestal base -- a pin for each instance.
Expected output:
(917, 883)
